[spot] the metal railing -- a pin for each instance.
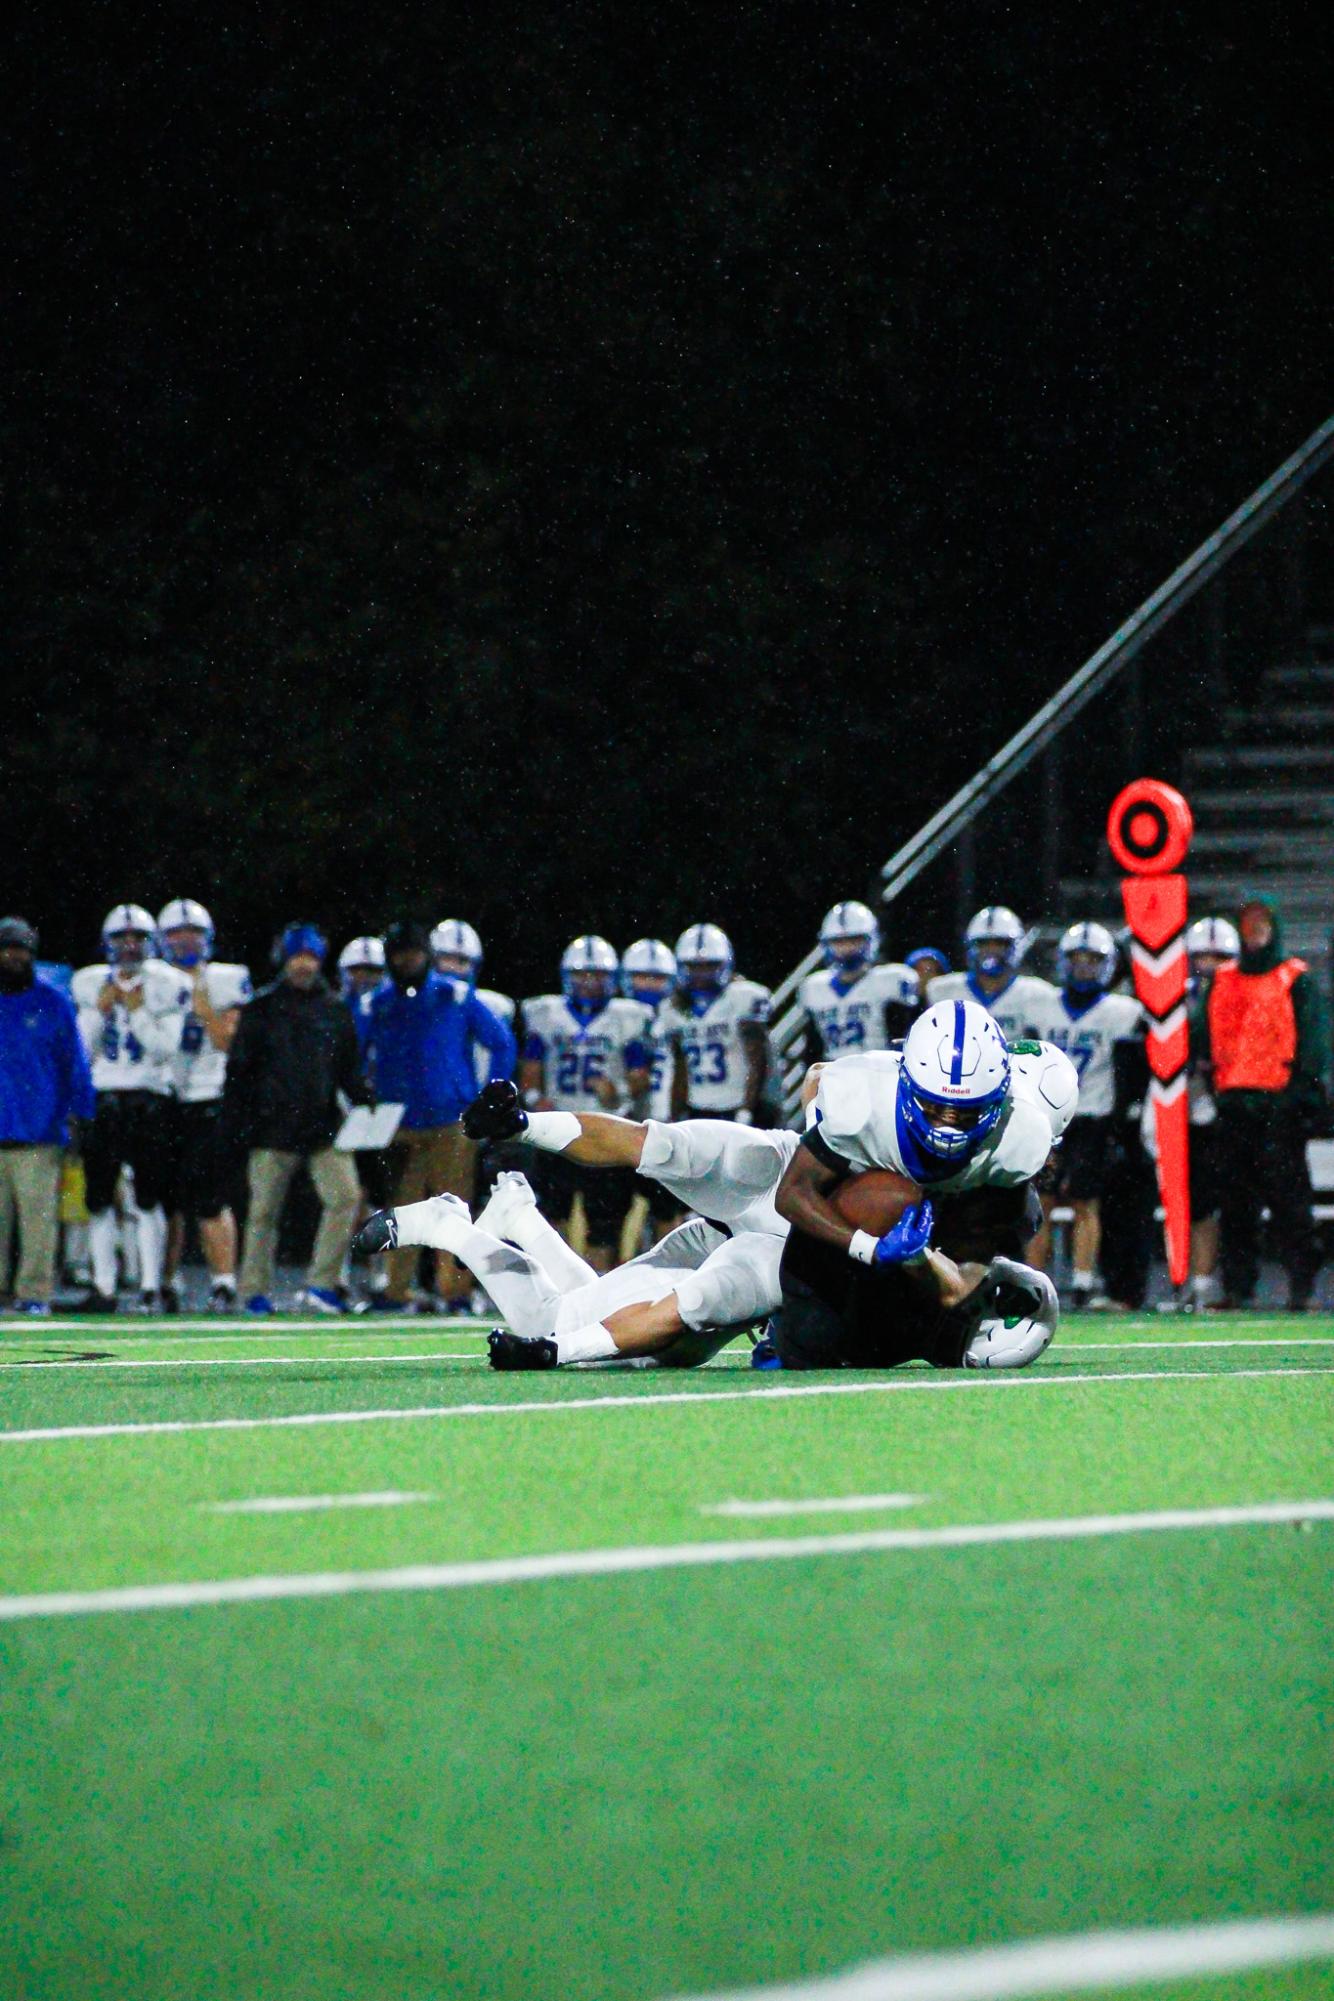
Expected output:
(1055, 716)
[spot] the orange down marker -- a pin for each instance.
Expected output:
(1148, 831)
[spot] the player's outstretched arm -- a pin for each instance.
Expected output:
(596, 1138)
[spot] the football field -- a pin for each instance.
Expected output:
(334, 1665)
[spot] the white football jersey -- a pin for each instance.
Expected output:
(1018, 1010)
(851, 1018)
(198, 1069)
(712, 1045)
(503, 1007)
(132, 1049)
(1088, 1039)
(574, 1054)
(663, 1045)
(854, 1113)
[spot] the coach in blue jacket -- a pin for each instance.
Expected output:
(418, 1035)
(44, 1082)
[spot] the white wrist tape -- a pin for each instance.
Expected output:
(553, 1131)
(862, 1247)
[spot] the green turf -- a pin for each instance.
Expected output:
(651, 1784)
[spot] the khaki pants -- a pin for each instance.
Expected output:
(270, 1176)
(30, 1182)
(435, 1160)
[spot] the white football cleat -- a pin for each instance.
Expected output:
(512, 1192)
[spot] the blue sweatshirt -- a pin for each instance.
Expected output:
(44, 1074)
(419, 1047)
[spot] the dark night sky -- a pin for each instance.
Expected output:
(590, 468)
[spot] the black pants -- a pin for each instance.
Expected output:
(1263, 1152)
(1130, 1234)
(839, 1314)
(129, 1130)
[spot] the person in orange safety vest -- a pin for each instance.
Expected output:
(1262, 1030)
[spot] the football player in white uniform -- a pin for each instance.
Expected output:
(1085, 1019)
(993, 943)
(648, 975)
(586, 1049)
(718, 1021)
(457, 950)
(131, 1007)
(855, 1003)
(674, 1302)
(197, 1173)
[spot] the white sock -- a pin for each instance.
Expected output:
(103, 1235)
(223, 1278)
(1082, 1281)
(544, 1242)
(586, 1344)
(552, 1131)
(151, 1228)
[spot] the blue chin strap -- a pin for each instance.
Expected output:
(930, 1150)
(584, 1007)
(842, 965)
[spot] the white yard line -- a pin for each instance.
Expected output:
(648, 1400)
(617, 1562)
(1082, 1962)
(313, 1504)
(969, 1381)
(337, 1326)
(848, 1504)
(1231, 1341)
(106, 1362)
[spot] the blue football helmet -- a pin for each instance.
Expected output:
(954, 1058)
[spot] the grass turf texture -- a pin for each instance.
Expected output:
(670, 1782)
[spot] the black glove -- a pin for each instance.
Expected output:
(496, 1112)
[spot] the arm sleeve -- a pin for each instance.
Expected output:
(80, 1099)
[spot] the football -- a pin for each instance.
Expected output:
(874, 1202)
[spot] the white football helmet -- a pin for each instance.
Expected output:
(182, 914)
(1213, 934)
(648, 970)
(1095, 938)
(119, 926)
(704, 946)
(454, 938)
(1043, 1075)
(585, 956)
(992, 940)
(1019, 1317)
(362, 952)
(850, 924)
(954, 1057)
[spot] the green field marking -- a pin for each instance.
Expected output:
(671, 1783)
(86, 1513)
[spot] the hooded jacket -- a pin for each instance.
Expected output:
(295, 1050)
(1305, 1086)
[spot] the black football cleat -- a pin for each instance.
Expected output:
(520, 1351)
(378, 1233)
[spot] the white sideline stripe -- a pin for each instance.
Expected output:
(310, 1504)
(344, 1326)
(1079, 1963)
(230, 1361)
(970, 1380)
(848, 1504)
(1231, 1341)
(614, 1562)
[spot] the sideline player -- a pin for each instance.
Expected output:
(130, 1012)
(648, 975)
(719, 1022)
(457, 951)
(197, 1172)
(855, 1003)
(1087, 1020)
(586, 1049)
(993, 946)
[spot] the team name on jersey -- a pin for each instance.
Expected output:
(854, 1018)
